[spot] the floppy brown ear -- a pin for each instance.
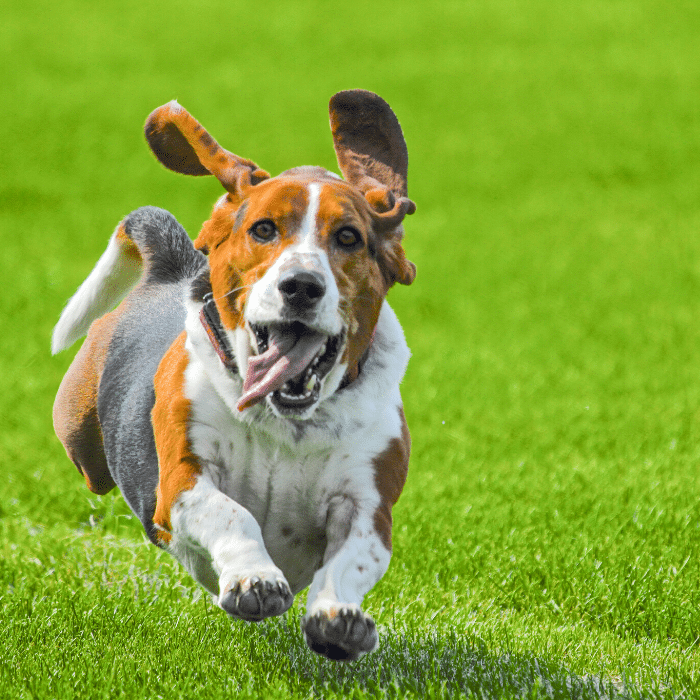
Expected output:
(373, 157)
(368, 142)
(182, 144)
(395, 266)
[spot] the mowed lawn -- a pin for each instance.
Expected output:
(548, 541)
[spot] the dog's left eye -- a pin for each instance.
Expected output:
(348, 238)
(263, 231)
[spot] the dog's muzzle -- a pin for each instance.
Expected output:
(296, 350)
(301, 290)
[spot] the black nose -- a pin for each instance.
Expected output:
(301, 289)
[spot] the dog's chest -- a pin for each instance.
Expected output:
(292, 476)
(288, 495)
(288, 491)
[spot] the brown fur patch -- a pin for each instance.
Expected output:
(368, 141)
(236, 260)
(178, 466)
(357, 273)
(390, 470)
(182, 144)
(75, 416)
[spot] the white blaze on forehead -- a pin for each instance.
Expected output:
(307, 230)
(310, 252)
(307, 247)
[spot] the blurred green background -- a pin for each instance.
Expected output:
(554, 390)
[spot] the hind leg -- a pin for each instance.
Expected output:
(75, 416)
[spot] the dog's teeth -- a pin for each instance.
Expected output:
(311, 383)
(322, 351)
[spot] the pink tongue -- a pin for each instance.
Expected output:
(287, 356)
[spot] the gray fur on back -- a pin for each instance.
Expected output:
(152, 317)
(168, 252)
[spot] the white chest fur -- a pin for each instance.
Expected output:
(288, 475)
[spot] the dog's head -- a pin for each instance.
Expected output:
(300, 263)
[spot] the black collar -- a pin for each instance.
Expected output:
(209, 316)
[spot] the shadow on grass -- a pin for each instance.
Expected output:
(436, 666)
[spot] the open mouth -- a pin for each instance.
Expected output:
(292, 361)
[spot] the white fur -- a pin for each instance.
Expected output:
(223, 547)
(281, 499)
(112, 277)
(265, 303)
(308, 225)
(339, 415)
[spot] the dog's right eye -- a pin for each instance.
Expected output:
(263, 231)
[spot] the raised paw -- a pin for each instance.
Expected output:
(342, 635)
(255, 599)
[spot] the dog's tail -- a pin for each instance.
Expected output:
(148, 243)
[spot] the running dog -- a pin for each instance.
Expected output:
(244, 395)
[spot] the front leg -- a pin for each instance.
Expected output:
(216, 539)
(356, 558)
(221, 544)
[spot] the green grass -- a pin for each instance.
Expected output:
(548, 540)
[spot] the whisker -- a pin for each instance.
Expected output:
(232, 291)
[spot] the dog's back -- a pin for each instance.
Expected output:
(102, 410)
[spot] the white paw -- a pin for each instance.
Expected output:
(254, 598)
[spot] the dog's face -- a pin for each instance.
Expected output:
(299, 264)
